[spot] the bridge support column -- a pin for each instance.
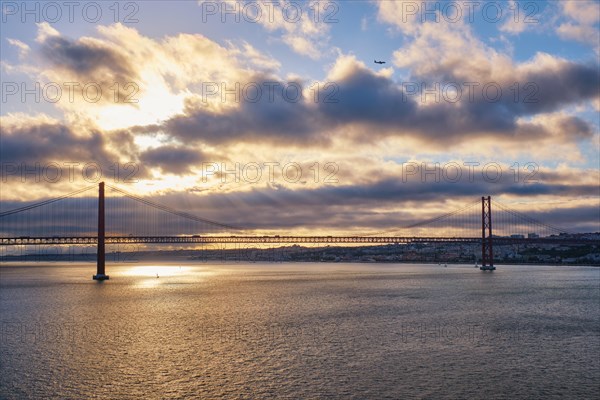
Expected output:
(487, 251)
(100, 260)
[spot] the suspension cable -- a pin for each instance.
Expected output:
(172, 210)
(45, 202)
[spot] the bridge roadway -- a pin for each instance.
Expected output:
(91, 240)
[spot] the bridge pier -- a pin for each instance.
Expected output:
(100, 255)
(487, 252)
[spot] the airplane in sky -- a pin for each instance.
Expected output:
(379, 62)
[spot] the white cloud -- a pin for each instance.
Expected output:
(166, 72)
(400, 14)
(583, 11)
(519, 18)
(300, 30)
(581, 33)
(437, 48)
(255, 57)
(44, 31)
(582, 18)
(22, 47)
(514, 27)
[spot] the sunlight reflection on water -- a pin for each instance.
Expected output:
(299, 331)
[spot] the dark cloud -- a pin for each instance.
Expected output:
(364, 205)
(92, 60)
(566, 84)
(495, 106)
(172, 159)
(352, 208)
(401, 108)
(282, 118)
(383, 107)
(45, 142)
(352, 205)
(365, 97)
(86, 62)
(34, 145)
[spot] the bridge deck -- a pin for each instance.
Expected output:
(91, 240)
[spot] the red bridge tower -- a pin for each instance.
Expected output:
(487, 251)
(100, 263)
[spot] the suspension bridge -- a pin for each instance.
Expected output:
(80, 219)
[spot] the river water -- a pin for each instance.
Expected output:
(299, 330)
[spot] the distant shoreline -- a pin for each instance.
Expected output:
(443, 253)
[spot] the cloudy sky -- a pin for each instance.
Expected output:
(273, 114)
